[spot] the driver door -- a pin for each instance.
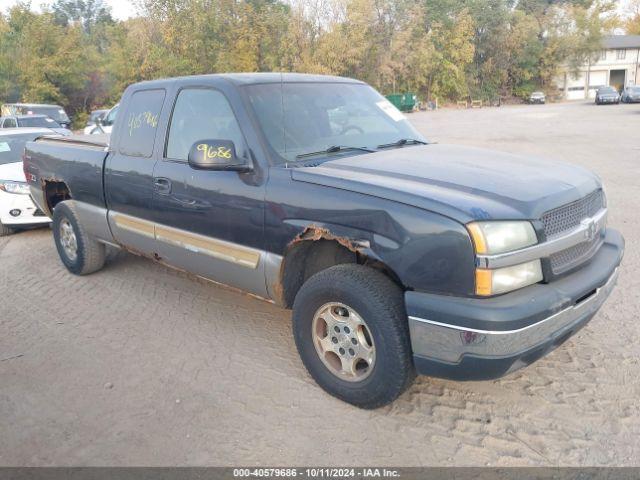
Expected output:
(210, 223)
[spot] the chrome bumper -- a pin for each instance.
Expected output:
(450, 343)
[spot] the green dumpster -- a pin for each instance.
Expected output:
(405, 102)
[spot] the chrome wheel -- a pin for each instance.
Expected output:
(343, 342)
(68, 240)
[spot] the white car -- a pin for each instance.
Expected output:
(17, 210)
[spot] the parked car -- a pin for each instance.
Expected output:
(17, 210)
(607, 95)
(537, 97)
(630, 94)
(314, 192)
(104, 125)
(33, 121)
(55, 112)
(94, 117)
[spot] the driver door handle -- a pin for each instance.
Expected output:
(162, 185)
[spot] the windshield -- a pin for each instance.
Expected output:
(608, 90)
(12, 146)
(57, 113)
(110, 118)
(38, 122)
(302, 118)
(634, 89)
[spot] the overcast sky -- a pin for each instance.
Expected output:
(123, 9)
(120, 9)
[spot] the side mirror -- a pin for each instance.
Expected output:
(216, 155)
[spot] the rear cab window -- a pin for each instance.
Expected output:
(140, 123)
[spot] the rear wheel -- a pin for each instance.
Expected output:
(352, 333)
(4, 230)
(79, 252)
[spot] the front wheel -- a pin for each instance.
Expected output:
(79, 252)
(352, 334)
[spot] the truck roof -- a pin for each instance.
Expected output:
(259, 78)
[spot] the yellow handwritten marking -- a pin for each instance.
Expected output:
(213, 152)
(146, 118)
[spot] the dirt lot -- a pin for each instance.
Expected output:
(140, 365)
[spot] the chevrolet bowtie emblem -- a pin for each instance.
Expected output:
(591, 228)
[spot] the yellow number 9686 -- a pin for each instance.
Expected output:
(212, 151)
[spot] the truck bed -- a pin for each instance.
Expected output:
(77, 160)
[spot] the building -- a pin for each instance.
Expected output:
(618, 64)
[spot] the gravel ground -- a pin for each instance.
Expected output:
(141, 365)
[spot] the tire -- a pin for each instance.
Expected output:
(4, 230)
(90, 253)
(376, 299)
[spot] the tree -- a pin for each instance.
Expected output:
(87, 13)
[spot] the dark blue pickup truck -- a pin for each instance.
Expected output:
(396, 255)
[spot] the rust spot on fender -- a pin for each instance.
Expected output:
(315, 233)
(311, 233)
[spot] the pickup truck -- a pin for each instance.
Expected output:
(396, 255)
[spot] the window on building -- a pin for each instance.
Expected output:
(621, 54)
(603, 55)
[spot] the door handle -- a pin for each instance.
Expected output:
(162, 185)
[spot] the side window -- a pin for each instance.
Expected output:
(201, 114)
(138, 133)
(9, 123)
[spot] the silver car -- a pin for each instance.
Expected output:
(631, 94)
(33, 121)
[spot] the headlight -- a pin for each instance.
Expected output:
(490, 238)
(21, 188)
(501, 280)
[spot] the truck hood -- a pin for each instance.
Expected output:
(460, 182)
(12, 171)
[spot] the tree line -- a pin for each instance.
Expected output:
(75, 54)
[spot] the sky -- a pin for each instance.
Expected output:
(123, 9)
(120, 9)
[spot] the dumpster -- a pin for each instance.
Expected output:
(405, 102)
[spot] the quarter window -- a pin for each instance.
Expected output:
(141, 123)
(201, 114)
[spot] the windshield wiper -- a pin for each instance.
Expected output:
(403, 141)
(334, 149)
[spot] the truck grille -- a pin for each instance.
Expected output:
(562, 219)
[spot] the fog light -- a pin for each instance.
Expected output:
(15, 212)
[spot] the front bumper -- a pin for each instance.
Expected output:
(480, 339)
(29, 213)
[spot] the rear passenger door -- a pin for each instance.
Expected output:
(129, 171)
(211, 222)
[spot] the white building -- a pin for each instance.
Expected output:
(617, 65)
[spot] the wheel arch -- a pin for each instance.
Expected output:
(54, 192)
(317, 248)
